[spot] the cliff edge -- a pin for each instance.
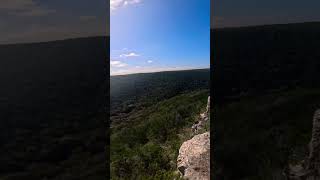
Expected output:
(193, 160)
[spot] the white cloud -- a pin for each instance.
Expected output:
(128, 2)
(132, 54)
(24, 8)
(116, 4)
(150, 61)
(117, 64)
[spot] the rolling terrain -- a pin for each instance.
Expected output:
(137, 91)
(151, 116)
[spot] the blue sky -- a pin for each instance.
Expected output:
(159, 35)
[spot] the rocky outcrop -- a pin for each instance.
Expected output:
(194, 158)
(194, 155)
(309, 169)
(204, 117)
(314, 157)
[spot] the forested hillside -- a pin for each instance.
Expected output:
(151, 116)
(144, 89)
(146, 144)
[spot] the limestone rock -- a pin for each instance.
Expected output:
(194, 158)
(314, 156)
(310, 171)
(204, 117)
(208, 106)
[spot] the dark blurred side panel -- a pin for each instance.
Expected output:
(266, 89)
(255, 60)
(53, 100)
(54, 95)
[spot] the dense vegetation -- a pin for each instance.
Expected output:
(52, 100)
(146, 145)
(151, 87)
(151, 116)
(266, 90)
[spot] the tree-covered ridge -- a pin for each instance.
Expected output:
(145, 89)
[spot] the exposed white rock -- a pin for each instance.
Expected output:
(194, 155)
(194, 158)
(314, 156)
(208, 106)
(204, 117)
(310, 171)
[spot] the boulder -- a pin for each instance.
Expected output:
(194, 158)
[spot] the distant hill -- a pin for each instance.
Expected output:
(53, 97)
(253, 60)
(151, 87)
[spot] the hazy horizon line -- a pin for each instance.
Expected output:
(170, 70)
(266, 24)
(54, 40)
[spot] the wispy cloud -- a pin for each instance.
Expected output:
(131, 54)
(24, 8)
(117, 64)
(150, 61)
(116, 4)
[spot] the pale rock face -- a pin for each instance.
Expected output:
(314, 157)
(204, 117)
(208, 106)
(194, 155)
(194, 158)
(310, 171)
